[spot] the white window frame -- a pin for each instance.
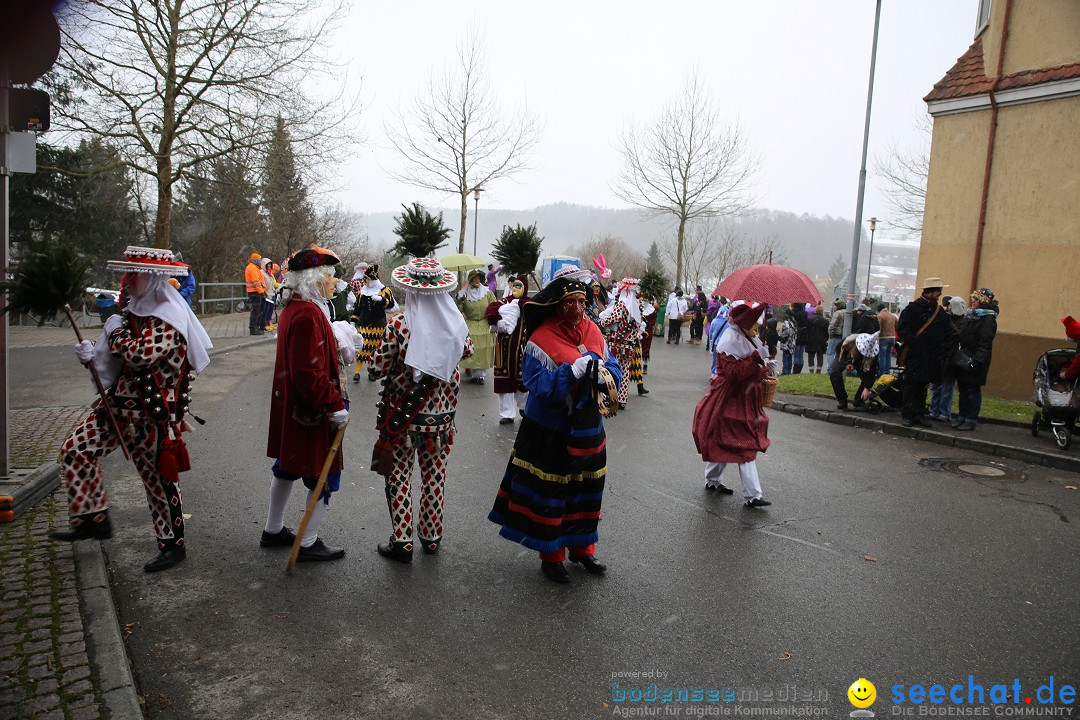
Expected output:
(983, 17)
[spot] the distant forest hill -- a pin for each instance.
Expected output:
(809, 243)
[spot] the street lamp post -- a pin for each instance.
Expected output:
(853, 269)
(476, 215)
(870, 258)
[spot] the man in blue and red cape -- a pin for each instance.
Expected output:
(553, 487)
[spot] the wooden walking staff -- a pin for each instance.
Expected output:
(314, 498)
(101, 390)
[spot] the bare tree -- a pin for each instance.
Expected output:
(713, 249)
(687, 165)
(175, 83)
(454, 137)
(905, 174)
(622, 260)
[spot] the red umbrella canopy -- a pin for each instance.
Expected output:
(772, 284)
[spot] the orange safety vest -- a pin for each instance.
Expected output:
(254, 278)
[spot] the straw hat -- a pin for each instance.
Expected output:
(152, 261)
(423, 275)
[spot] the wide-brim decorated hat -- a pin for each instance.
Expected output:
(153, 261)
(423, 275)
(630, 283)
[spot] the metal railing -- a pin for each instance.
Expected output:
(222, 300)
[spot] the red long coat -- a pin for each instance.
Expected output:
(729, 422)
(306, 391)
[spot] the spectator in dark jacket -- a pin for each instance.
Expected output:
(797, 315)
(864, 320)
(772, 337)
(924, 331)
(817, 339)
(976, 345)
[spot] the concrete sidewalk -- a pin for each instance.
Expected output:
(1006, 440)
(62, 653)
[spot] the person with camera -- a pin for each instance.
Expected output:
(858, 353)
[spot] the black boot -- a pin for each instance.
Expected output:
(92, 526)
(169, 556)
(395, 550)
(641, 389)
(796, 369)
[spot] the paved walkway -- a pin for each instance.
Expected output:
(60, 661)
(61, 651)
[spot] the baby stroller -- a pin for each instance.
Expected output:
(1058, 399)
(887, 393)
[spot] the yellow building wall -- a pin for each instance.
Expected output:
(1031, 244)
(950, 219)
(1042, 34)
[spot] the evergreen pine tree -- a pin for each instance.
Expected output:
(291, 217)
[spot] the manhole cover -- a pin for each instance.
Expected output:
(984, 470)
(975, 468)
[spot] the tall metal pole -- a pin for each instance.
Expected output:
(862, 181)
(476, 216)
(870, 259)
(5, 173)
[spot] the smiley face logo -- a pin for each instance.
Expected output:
(862, 693)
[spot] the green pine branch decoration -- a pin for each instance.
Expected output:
(49, 276)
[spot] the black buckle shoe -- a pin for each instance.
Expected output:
(720, 488)
(166, 559)
(284, 537)
(555, 571)
(87, 529)
(506, 421)
(319, 551)
(758, 502)
(401, 552)
(590, 563)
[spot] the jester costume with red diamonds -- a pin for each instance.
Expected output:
(146, 358)
(418, 361)
(553, 487)
(623, 324)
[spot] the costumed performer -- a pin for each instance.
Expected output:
(730, 425)
(418, 359)
(505, 317)
(147, 357)
(551, 493)
(624, 325)
(373, 301)
(473, 300)
(306, 405)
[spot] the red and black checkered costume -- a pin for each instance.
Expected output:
(429, 437)
(154, 358)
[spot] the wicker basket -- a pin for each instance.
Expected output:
(768, 390)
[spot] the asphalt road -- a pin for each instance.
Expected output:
(867, 565)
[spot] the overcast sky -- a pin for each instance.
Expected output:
(793, 73)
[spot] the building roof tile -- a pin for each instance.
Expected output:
(968, 76)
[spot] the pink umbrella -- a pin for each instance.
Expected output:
(772, 284)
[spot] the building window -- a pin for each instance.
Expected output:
(984, 16)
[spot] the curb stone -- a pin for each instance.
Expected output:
(1012, 452)
(104, 641)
